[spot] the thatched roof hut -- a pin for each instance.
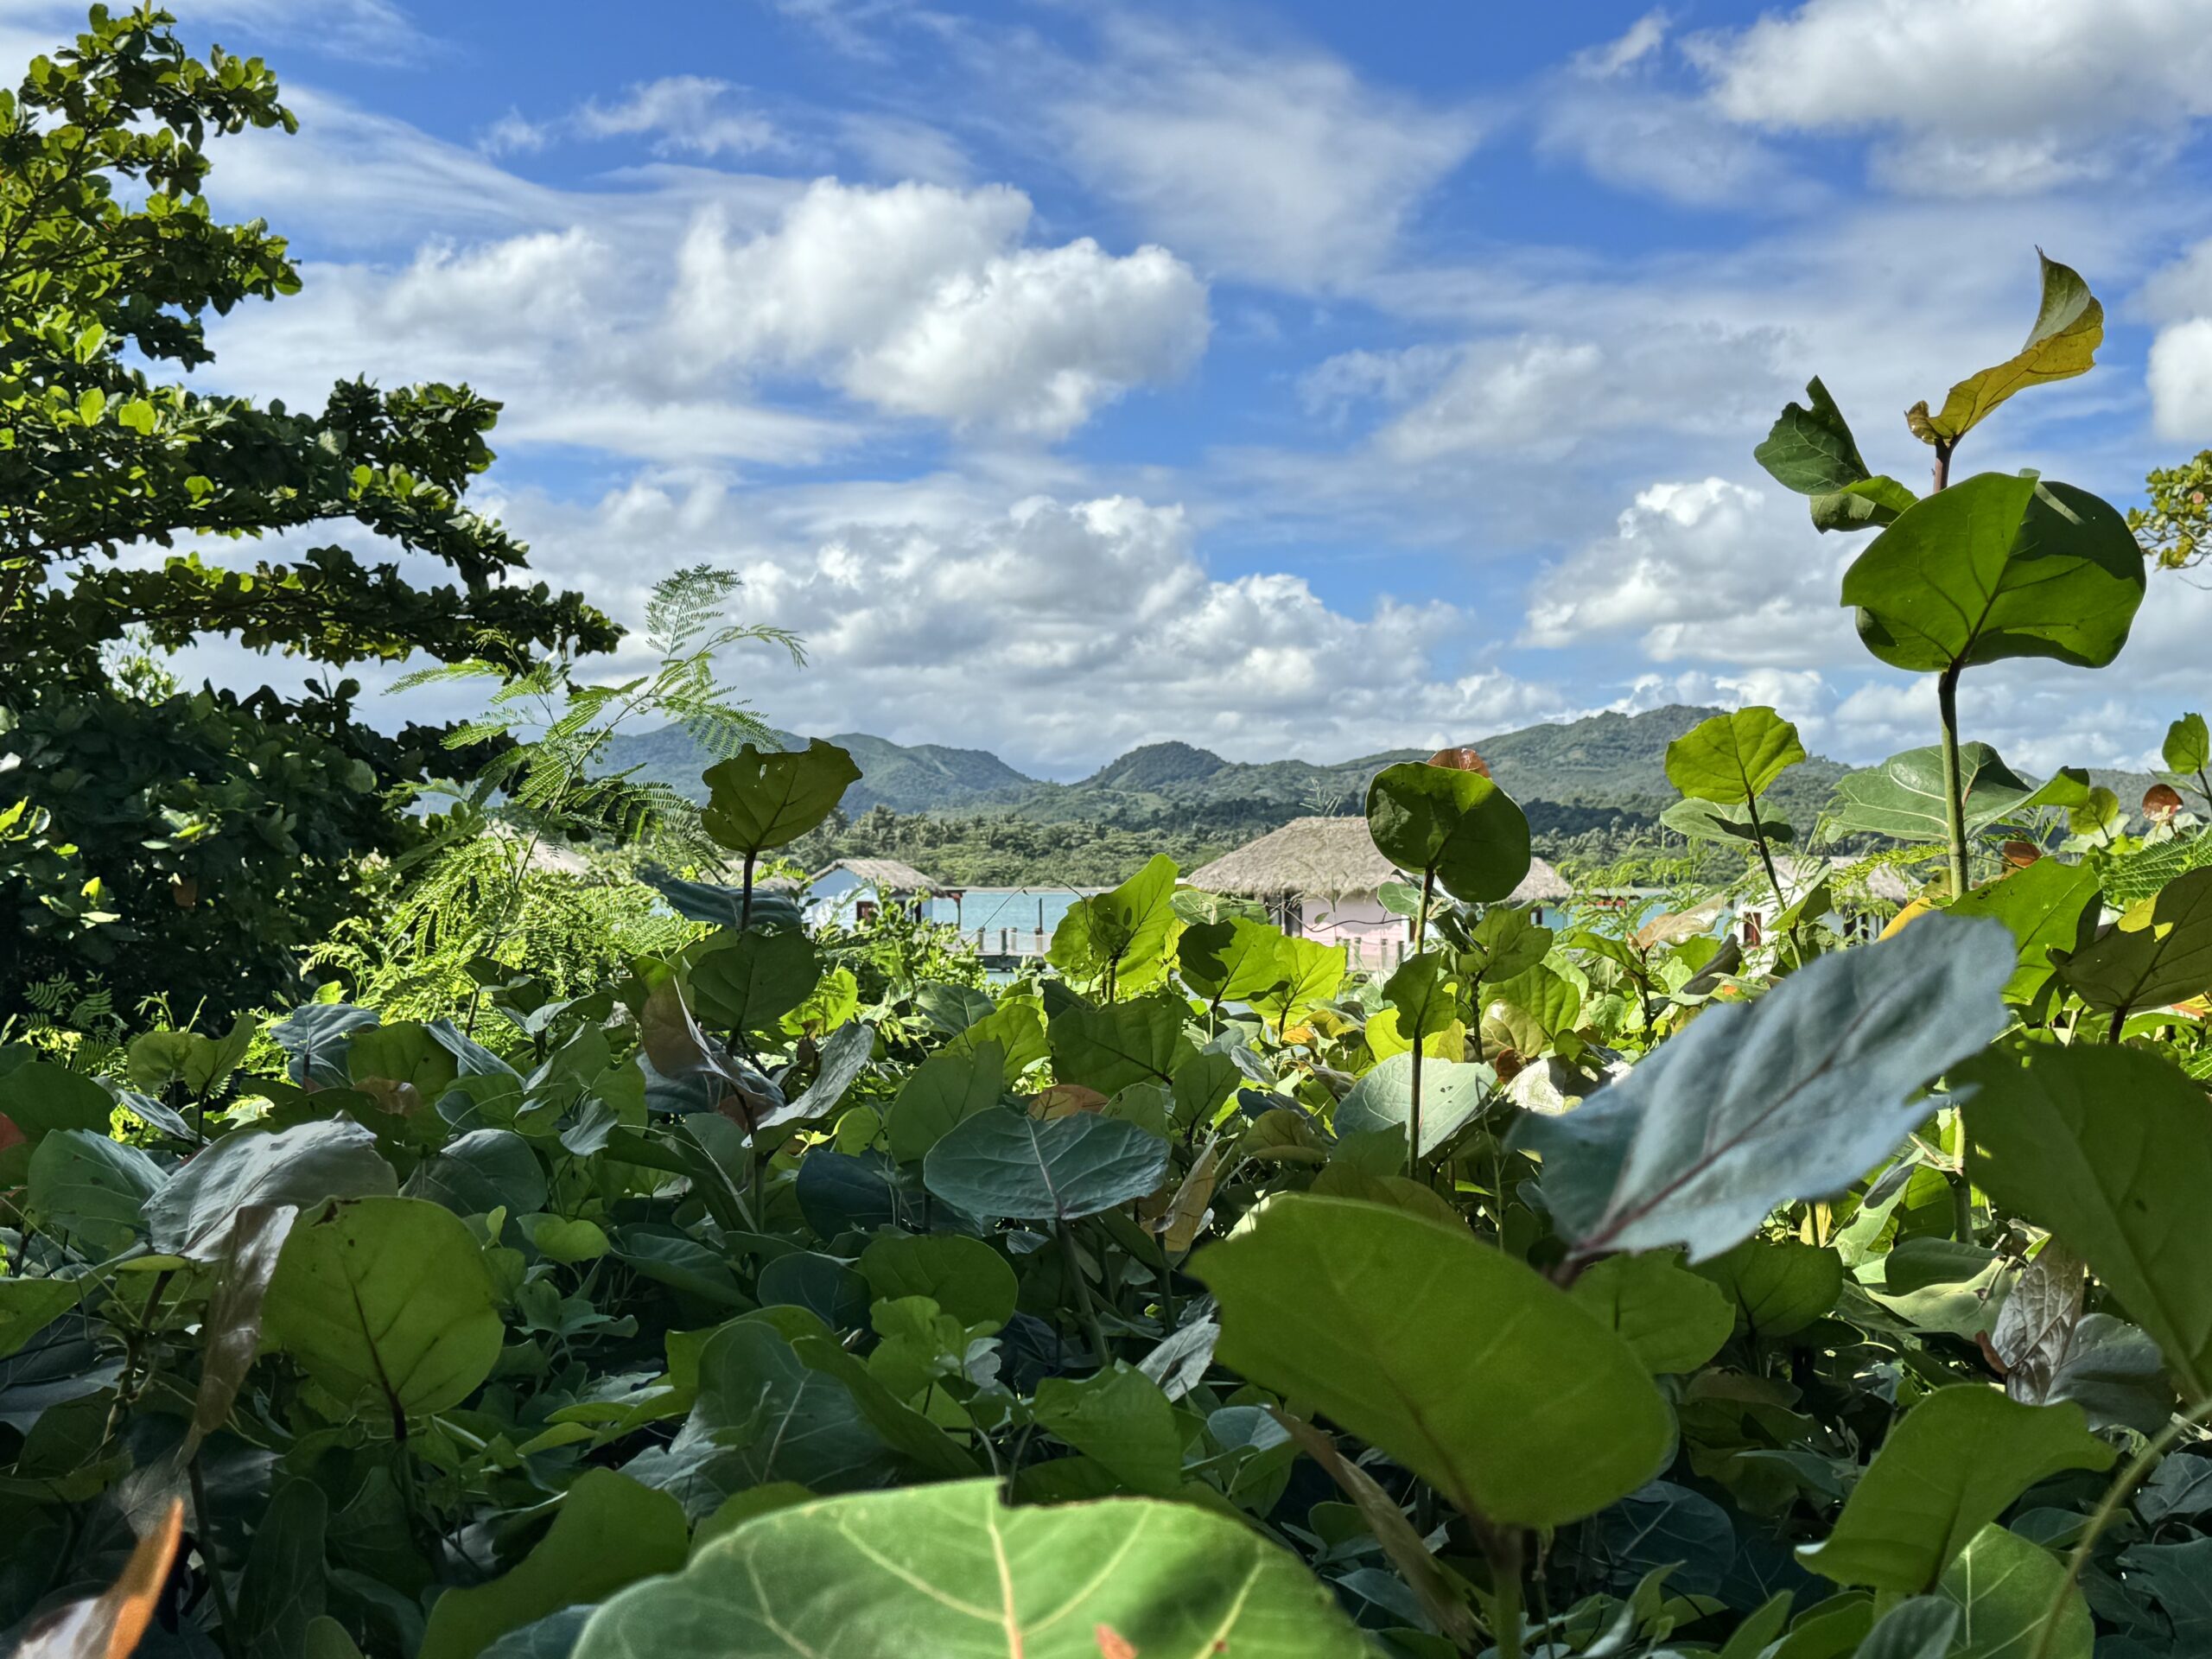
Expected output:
(1334, 859)
(885, 875)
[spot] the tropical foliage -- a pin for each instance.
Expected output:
(157, 836)
(595, 1261)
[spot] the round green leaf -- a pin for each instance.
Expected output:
(1006, 1165)
(2106, 1146)
(2160, 952)
(1902, 798)
(1458, 824)
(1777, 1286)
(2003, 1587)
(1463, 1364)
(1999, 567)
(193, 1212)
(758, 800)
(1674, 1319)
(1731, 757)
(2188, 745)
(946, 1569)
(387, 1303)
(748, 982)
(609, 1532)
(965, 1276)
(1952, 1466)
(943, 1090)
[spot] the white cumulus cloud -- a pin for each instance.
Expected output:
(921, 300)
(1973, 97)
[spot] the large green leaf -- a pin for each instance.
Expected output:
(1674, 1319)
(2046, 907)
(1457, 823)
(90, 1189)
(2160, 952)
(1463, 1364)
(1307, 974)
(1452, 1094)
(1810, 448)
(609, 1532)
(1919, 1627)
(948, 1086)
(41, 1096)
(387, 1303)
(1792, 1097)
(2188, 745)
(1120, 939)
(2003, 1587)
(1731, 757)
(2108, 1147)
(1108, 1047)
(1424, 991)
(965, 1276)
(756, 800)
(1902, 798)
(747, 982)
(2070, 326)
(946, 1570)
(1119, 1419)
(1006, 1165)
(1997, 567)
(28, 1305)
(1777, 1286)
(1952, 1466)
(193, 1213)
(1230, 961)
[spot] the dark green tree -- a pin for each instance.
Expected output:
(152, 834)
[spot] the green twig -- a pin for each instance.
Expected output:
(1083, 1302)
(2115, 1495)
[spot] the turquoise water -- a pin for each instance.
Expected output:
(1024, 910)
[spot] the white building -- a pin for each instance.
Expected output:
(853, 889)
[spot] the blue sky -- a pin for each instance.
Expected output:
(1284, 378)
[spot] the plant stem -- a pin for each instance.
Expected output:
(1413, 1114)
(2115, 1495)
(1954, 805)
(1083, 1302)
(203, 1533)
(1169, 1319)
(1961, 1184)
(745, 902)
(1420, 922)
(1502, 1548)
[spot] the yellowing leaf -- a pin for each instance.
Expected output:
(2069, 327)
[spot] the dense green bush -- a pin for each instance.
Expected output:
(160, 837)
(721, 1299)
(597, 1263)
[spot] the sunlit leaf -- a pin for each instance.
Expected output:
(945, 1569)
(2070, 326)
(1463, 1364)
(1791, 1097)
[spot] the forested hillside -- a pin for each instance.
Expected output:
(1593, 789)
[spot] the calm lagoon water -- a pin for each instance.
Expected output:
(1024, 910)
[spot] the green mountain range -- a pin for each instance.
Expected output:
(1604, 772)
(1593, 788)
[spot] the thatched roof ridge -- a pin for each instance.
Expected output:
(885, 875)
(1334, 858)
